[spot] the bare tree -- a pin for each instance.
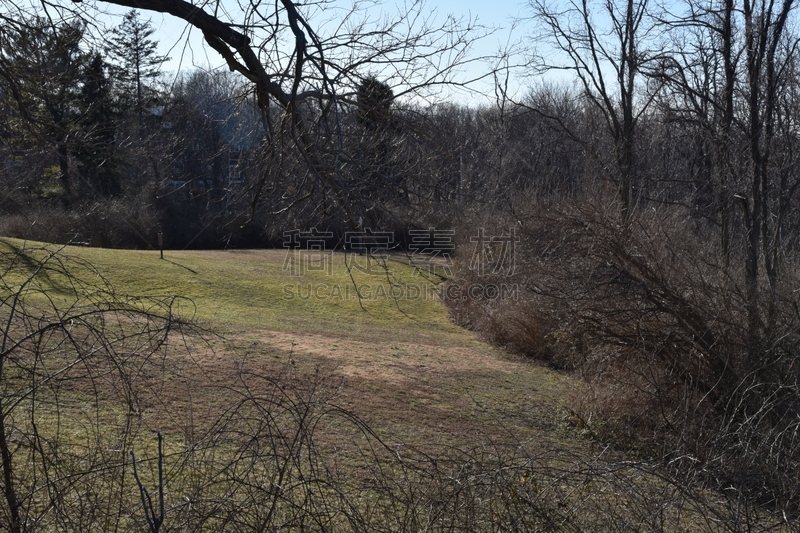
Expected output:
(698, 74)
(731, 67)
(304, 74)
(608, 46)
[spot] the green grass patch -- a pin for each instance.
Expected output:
(341, 294)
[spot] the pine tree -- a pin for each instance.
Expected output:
(47, 62)
(134, 61)
(375, 100)
(376, 155)
(96, 153)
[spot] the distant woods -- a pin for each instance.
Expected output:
(692, 107)
(693, 110)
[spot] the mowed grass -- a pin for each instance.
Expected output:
(292, 337)
(396, 340)
(282, 290)
(405, 368)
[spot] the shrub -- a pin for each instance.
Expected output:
(652, 315)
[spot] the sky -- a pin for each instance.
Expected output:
(186, 49)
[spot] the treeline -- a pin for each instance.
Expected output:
(96, 143)
(98, 146)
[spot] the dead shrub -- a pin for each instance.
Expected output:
(652, 315)
(110, 224)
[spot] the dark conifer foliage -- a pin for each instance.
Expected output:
(135, 63)
(96, 154)
(375, 100)
(46, 63)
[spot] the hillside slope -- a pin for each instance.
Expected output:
(289, 401)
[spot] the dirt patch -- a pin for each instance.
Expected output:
(427, 389)
(393, 362)
(409, 393)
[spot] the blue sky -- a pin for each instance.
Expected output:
(187, 53)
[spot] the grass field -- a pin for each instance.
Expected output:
(401, 358)
(291, 402)
(283, 291)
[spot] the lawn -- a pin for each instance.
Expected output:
(396, 338)
(286, 291)
(289, 401)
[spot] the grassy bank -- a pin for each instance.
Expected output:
(290, 402)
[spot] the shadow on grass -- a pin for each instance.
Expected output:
(180, 265)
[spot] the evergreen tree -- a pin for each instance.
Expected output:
(376, 156)
(96, 153)
(47, 63)
(375, 100)
(135, 63)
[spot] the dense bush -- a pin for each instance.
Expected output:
(652, 315)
